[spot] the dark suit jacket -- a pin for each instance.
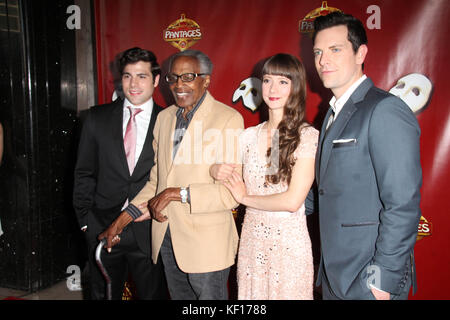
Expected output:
(369, 194)
(102, 179)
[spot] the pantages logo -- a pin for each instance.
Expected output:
(424, 229)
(306, 25)
(183, 33)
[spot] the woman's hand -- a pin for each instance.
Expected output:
(222, 171)
(236, 186)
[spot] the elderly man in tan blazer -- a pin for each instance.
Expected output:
(193, 227)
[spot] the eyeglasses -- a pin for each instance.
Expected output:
(185, 77)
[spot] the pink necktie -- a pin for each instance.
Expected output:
(129, 139)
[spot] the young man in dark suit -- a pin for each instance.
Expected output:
(114, 160)
(368, 173)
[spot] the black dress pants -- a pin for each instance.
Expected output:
(127, 258)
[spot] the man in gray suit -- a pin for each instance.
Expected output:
(368, 173)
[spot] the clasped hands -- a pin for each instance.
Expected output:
(151, 209)
(230, 178)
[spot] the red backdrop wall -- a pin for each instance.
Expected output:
(405, 36)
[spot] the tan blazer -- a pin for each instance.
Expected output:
(204, 235)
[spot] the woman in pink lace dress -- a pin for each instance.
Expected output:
(275, 257)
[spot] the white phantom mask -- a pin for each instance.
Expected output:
(250, 91)
(414, 89)
(114, 95)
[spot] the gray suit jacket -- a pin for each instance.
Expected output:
(369, 194)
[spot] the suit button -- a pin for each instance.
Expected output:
(321, 192)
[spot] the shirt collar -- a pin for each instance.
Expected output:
(338, 104)
(147, 107)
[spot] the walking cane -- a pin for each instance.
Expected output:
(98, 253)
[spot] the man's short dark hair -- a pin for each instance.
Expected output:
(135, 55)
(356, 32)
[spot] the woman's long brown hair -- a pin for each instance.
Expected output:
(293, 120)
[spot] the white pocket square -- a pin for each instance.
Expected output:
(344, 141)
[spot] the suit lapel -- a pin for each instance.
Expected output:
(166, 138)
(322, 136)
(148, 143)
(117, 134)
(335, 131)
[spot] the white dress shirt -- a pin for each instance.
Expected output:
(338, 104)
(142, 123)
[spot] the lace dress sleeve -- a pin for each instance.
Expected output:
(308, 143)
